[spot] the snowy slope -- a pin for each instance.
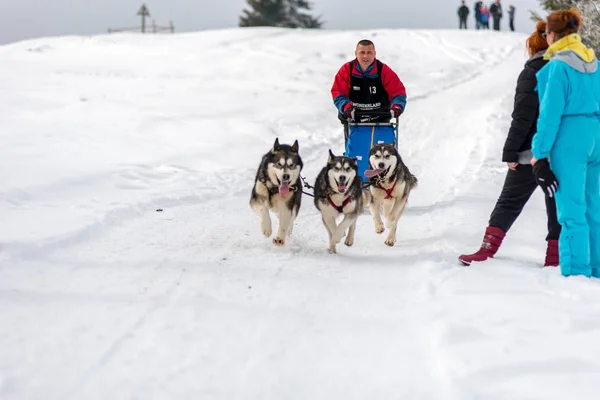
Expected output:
(103, 297)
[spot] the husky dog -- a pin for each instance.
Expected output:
(277, 188)
(391, 183)
(338, 191)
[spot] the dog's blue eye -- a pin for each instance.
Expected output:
(388, 156)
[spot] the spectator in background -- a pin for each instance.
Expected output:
(485, 17)
(496, 11)
(463, 13)
(478, 6)
(511, 17)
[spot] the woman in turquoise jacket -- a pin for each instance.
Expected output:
(568, 135)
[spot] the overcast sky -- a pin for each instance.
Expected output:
(24, 19)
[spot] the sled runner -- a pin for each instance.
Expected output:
(363, 135)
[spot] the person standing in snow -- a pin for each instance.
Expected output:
(567, 142)
(485, 17)
(511, 17)
(478, 6)
(520, 182)
(463, 13)
(496, 11)
(367, 84)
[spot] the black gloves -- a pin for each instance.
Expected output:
(349, 112)
(396, 111)
(545, 177)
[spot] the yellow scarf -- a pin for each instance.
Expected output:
(571, 42)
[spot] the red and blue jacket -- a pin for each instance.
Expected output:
(363, 90)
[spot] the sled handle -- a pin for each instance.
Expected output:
(361, 113)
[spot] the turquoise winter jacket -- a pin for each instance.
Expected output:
(568, 86)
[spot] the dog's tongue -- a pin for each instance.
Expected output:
(284, 188)
(342, 187)
(370, 173)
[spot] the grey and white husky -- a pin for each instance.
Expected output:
(277, 188)
(391, 183)
(338, 192)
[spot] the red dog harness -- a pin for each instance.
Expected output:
(388, 192)
(339, 208)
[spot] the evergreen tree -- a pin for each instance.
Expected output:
(299, 19)
(280, 13)
(590, 15)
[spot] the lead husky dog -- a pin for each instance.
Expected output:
(277, 188)
(338, 191)
(391, 183)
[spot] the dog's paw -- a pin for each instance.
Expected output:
(379, 228)
(390, 241)
(349, 241)
(266, 228)
(278, 241)
(332, 249)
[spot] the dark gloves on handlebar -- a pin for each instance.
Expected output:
(349, 112)
(396, 110)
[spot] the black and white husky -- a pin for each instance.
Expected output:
(338, 191)
(391, 183)
(277, 188)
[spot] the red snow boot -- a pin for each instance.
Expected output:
(552, 254)
(491, 242)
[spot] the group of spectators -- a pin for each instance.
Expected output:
(483, 14)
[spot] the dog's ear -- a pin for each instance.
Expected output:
(295, 147)
(355, 161)
(275, 146)
(331, 156)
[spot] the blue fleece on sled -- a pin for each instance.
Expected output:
(360, 140)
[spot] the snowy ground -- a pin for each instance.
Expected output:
(101, 296)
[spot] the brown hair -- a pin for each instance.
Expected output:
(564, 22)
(537, 41)
(365, 42)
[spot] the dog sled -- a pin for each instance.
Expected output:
(363, 135)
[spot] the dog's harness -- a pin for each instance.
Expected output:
(388, 192)
(339, 208)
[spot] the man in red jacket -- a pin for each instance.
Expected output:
(367, 84)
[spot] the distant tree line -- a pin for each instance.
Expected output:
(279, 13)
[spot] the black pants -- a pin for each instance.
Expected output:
(462, 23)
(511, 23)
(496, 24)
(518, 187)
